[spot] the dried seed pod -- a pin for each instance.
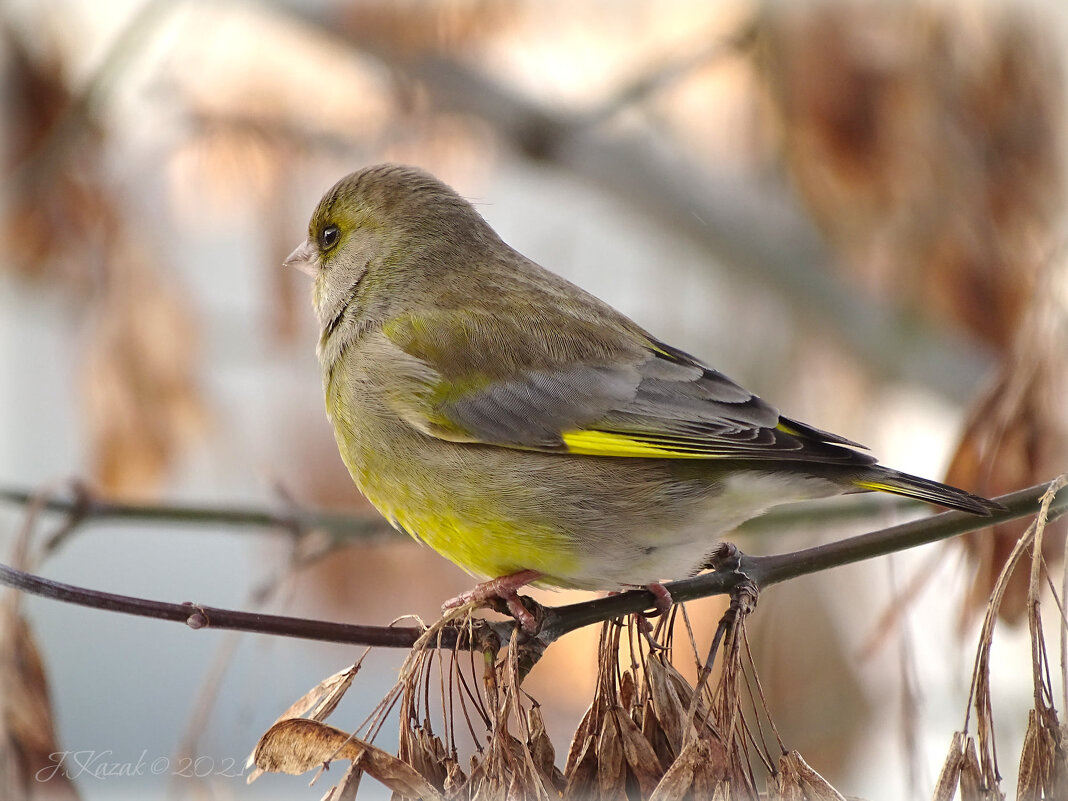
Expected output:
(297, 745)
(1043, 758)
(641, 759)
(972, 783)
(27, 731)
(579, 741)
(678, 781)
(798, 780)
(949, 776)
(669, 709)
(582, 775)
(611, 767)
(628, 690)
(541, 749)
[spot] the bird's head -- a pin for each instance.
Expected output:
(383, 239)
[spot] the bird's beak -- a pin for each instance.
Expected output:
(304, 258)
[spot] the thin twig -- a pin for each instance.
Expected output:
(87, 508)
(773, 569)
(1064, 632)
(767, 570)
(557, 621)
(1043, 688)
(90, 508)
(197, 616)
(656, 78)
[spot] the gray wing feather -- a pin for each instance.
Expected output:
(661, 396)
(653, 396)
(533, 411)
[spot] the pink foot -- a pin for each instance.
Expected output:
(662, 595)
(664, 601)
(506, 588)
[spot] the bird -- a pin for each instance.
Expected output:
(525, 429)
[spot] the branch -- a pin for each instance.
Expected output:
(767, 570)
(84, 506)
(197, 616)
(557, 621)
(671, 70)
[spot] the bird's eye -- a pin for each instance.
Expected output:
(329, 237)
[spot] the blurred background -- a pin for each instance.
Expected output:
(854, 209)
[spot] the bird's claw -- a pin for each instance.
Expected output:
(503, 588)
(726, 557)
(662, 602)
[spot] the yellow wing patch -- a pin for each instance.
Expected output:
(604, 443)
(878, 486)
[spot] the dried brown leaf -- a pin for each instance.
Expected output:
(506, 768)
(517, 789)
(831, 102)
(28, 737)
(297, 745)
(73, 204)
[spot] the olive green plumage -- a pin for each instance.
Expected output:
(514, 422)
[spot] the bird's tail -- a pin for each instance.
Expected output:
(881, 479)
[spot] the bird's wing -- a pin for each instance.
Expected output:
(483, 379)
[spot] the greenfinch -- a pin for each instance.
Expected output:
(525, 429)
